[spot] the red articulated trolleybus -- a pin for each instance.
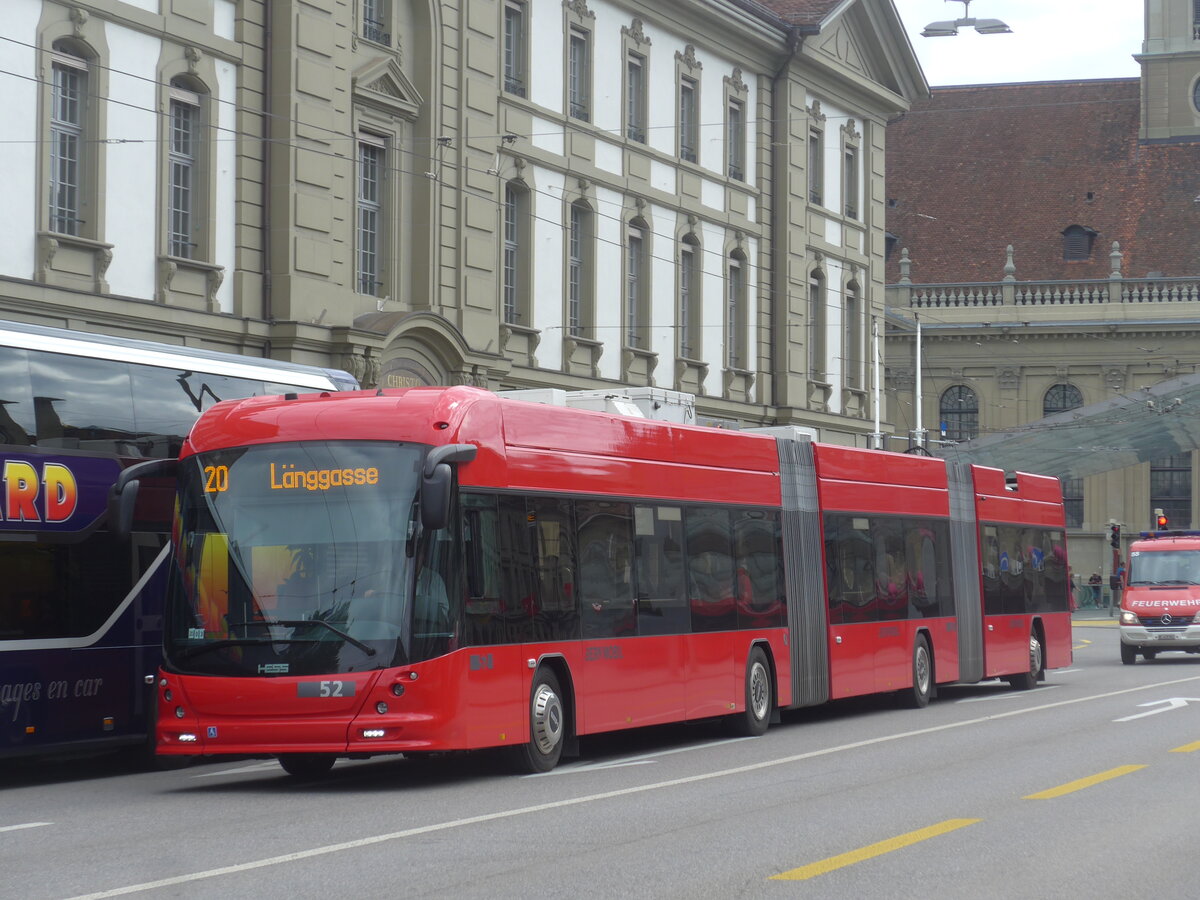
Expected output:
(438, 569)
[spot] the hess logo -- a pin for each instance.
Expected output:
(28, 496)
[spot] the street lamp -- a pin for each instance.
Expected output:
(950, 28)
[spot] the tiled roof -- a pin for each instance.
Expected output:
(975, 168)
(801, 12)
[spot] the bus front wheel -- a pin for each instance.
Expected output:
(757, 716)
(547, 725)
(922, 675)
(307, 766)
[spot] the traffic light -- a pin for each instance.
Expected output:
(1160, 520)
(1115, 536)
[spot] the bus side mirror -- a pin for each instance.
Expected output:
(123, 495)
(436, 480)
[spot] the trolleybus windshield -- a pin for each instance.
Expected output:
(304, 558)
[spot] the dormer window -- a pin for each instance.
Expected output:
(1077, 242)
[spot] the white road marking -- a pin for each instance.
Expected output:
(605, 795)
(23, 826)
(1172, 703)
(255, 767)
(1008, 695)
(619, 762)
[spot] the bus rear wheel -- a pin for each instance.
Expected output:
(922, 675)
(307, 766)
(1027, 681)
(759, 691)
(1128, 654)
(547, 725)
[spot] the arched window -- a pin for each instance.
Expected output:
(186, 185)
(735, 312)
(515, 283)
(689, 298)
(1077, 242)
(637, 286)
(958, 413)
(817, 362)
(1196, 88)
(854, 362)
(579, 270)
(1060, 398)
(69, 138)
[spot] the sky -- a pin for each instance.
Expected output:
(1052, 40)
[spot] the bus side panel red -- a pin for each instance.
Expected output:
(631, 682)
(858, 496)
(874, 657)
(1058, 650)
(1006, 644)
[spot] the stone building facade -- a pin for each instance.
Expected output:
(1047, 238)
(507, 193)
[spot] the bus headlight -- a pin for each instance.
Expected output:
(1129, 618)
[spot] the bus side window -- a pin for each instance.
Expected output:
(481, 552)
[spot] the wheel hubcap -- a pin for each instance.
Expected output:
(1035, 655)
(547, 719)
(759, 692)
(922, 670)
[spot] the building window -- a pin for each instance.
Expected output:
(514, 47)
(736, 140)
(1060, 398)
(735, 303)
(579, 75)
(816, 166)
(816, 327)
(1171, 489)
(68, 117)
(372, 168)
(635, 286)
(689, 298)
(958, 413)
(1196, 90)
(183, 181)
(1196, 22)
(635, 98)
(688, 126)
(579, 270)
(850, 182)
(854, 364)
(516, 242)
(375, 21)
(1077, 242)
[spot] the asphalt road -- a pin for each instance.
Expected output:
(1082, 788)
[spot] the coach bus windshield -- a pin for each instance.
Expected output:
(304, 558)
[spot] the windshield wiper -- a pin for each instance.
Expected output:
(300, 623)
(297, 623)
(199, 649)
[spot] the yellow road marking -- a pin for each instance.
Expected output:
(873, 850)
(1071, 786)
(1187, 748)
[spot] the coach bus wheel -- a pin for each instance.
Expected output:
(547, 725)
(1128, 654)
(759, 691)
(1027, 681)
(306, 765)
(922, 675)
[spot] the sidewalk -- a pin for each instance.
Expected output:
(1089, 616)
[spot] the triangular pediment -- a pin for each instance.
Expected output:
(863, 43)
(383, 85)
(841, 44)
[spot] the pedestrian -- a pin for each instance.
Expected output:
(1094, 583)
